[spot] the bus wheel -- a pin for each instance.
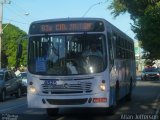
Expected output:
(52, 111)
(129, 95)
(111, 110)
(117, 93)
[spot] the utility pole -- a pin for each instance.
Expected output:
(1, 18)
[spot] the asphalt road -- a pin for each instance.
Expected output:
(145, 101)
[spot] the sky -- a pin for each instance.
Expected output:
(22, 12)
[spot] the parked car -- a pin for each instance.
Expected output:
(9, 84)
(23, 77)
(150, 73)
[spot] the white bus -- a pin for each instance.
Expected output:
(64, 70)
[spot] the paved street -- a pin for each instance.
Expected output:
(145, 100)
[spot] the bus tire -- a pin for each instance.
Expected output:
(117, 93)
(129, 95)
(111, 110)
(52, 111)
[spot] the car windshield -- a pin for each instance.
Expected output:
(67, 54)
(23, 75)
(1, 75)
(151, 69)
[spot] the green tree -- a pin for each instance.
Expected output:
(145, 14)
(10, 37)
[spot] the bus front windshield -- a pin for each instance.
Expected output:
(76, 54)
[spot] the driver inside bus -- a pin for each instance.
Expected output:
(92, 51)
(52, 53)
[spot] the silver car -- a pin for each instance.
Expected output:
(23, 77)
(150, 73)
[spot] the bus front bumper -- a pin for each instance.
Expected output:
(96, 100)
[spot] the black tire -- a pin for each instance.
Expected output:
(52, 111)
(128, 97)
(2, 96)
(19, 93)
(112, 109)
(117, 93)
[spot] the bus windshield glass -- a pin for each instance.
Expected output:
(71, 54)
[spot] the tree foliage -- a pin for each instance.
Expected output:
(145, 14)
(10, 37)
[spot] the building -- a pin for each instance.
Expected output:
(138, 56)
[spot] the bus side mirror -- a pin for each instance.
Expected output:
(19, 51)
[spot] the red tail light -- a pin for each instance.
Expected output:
(99, 100)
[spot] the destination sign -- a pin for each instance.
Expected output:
(76, 26)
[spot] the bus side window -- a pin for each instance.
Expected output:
(118, 48)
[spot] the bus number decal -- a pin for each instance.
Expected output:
(50, 82)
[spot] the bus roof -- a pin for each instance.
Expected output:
(66, 19)
(87, 19)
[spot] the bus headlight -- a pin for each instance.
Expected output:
(91, 69)
(32, 89)
(102, 87)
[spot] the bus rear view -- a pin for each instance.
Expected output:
(68, 65)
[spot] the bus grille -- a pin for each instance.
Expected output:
(67, 101)
(84, 87)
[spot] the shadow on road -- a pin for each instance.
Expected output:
(144, 98)
(143, 102)
(10, 98)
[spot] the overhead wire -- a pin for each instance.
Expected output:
(16, 15)
(18, 6)
(19, 13)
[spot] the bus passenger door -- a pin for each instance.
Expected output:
(110, 50)
(112, 67)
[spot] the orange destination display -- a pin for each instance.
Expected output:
(59, 27)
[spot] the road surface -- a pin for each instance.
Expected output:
(145, 101)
